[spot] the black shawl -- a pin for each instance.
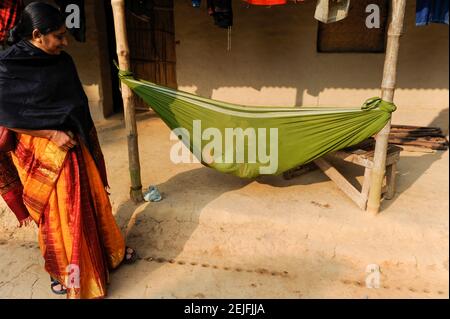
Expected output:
(42, 91)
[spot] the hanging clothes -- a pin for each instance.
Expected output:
(431, 11)
(9, 16)
(79, 32)
(222, 12)
(266, 2)
(328, 11)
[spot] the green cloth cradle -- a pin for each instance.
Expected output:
(298, 135)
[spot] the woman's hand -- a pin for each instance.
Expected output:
(63, 140)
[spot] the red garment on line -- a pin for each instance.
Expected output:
(9, 15)
(266, 2)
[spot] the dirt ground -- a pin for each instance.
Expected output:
(218, 236)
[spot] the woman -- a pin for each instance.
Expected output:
(58, 157)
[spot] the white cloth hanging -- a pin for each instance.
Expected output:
(328, 11)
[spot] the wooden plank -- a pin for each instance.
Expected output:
(366, 186)
(392, 158)
(391, 177)
(352, 158)
(415, 134)
(365, 158)
(341, 182)
(411, 127)
(426, 144)
(411, 148)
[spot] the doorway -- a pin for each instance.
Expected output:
(151, 39)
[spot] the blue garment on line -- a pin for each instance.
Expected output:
(431, 11)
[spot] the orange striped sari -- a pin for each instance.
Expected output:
(78, 236)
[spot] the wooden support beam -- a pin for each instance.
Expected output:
(361, 155)
(342, 182)
(387, 94)
(123, 55)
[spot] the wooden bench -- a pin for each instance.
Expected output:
(362, 155)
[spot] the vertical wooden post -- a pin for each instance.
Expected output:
(387, 93)
(123, 55)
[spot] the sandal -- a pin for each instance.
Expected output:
(130, 256)
(54, 283)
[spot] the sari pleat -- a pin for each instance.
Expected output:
(78, 235)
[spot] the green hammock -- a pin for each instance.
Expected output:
(248, 141)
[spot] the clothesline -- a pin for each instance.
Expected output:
(327, 11)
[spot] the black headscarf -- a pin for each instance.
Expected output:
(41, 91)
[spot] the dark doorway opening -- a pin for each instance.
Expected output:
(151, 39)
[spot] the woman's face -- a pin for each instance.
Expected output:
(52, 43)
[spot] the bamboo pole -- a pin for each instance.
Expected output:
(123, 55)
(387, 93)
